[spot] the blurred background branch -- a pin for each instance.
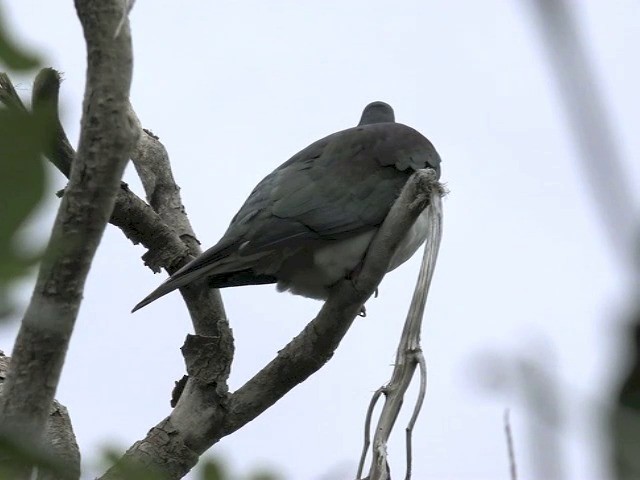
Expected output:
(602, 162)
(589, 118)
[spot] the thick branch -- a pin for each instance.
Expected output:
(59, 448)
(105, 142)
(205, 413)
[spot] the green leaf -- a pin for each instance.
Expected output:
(212, 469)
(22, 184)
(264, 476)
(130, 470)
(11, 55)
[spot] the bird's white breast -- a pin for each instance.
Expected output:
(336, 260)
(415, 237)
(340, 258)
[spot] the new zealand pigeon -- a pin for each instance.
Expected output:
(308, 224)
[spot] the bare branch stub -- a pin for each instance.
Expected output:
(44, 101)
(105, 142)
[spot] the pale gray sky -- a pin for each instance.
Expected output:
(234, 88)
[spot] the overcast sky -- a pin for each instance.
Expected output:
(233, 89)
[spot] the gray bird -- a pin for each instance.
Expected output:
(308, 224)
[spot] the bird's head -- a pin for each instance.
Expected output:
(377, 112)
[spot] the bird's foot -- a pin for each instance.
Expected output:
(363, 311)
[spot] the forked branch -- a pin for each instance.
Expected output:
(408, 357)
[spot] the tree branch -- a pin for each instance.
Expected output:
(44, 101)
(511, 452)
(105, 142)
(131, 214)
(151, 161)
(59, 448)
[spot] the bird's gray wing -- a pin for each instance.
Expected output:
(338, 186)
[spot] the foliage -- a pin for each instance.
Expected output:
(13, 56)
(22, 185)
(22, 173)
(212, 468)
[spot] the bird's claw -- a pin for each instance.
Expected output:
(363, 311)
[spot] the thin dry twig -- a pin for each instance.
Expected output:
(409, 353)
(422, 391)
(513, 471)
(367, 429)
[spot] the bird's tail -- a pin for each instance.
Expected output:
(171, 284)
(222, 266)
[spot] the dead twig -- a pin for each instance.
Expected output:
(513, 472)
(409, 354)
